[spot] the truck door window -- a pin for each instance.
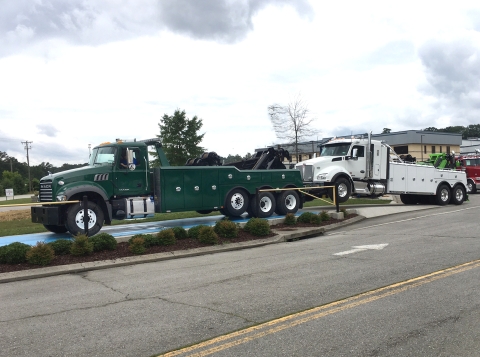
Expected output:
(360, 150)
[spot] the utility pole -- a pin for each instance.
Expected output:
(27, 143)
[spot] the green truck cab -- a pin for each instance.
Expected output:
(119, 182)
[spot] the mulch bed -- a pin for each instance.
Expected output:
(181, 244)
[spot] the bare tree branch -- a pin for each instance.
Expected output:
(291, 122)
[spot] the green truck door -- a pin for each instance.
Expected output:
(132, 181)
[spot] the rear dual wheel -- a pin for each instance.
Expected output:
(264, 207)
(287, 202)
(458, 195)
(236, 203)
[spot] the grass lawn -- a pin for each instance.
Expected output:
(18, 222)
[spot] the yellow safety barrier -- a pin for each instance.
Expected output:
(40, 203)
(301, 189)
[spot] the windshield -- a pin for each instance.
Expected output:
(340, 149)
(103, 155)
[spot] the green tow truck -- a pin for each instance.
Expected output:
(119, 182)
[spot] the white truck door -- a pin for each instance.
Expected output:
(356, 165)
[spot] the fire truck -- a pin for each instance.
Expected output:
(470, 163)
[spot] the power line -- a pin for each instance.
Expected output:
(27, 147)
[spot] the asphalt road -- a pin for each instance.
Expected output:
(398, 285)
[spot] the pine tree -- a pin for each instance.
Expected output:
(180, 137)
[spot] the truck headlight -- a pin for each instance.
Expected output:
(61, 198)
(322, 176)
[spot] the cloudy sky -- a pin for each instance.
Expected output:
(80, 72)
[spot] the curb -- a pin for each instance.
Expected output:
(299, 233)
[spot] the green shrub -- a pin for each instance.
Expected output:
(324, 216)
(61, 246)
(103, 241)
(14, 253)
(344, 211)
(193, 232)
(150, 240)
(257, 227)
(41, 254)
(3, 254)
(137, 246)
(306, 217)
(316, 219)
(81, 245)
(166, 237)
(207, 235)
(290, 219)
(180, 232)
(226, 229)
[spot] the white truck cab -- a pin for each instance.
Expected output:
(366, 167)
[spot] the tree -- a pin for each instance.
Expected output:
(14, 180)
(386, 131)
(291, 122)
(180, 137)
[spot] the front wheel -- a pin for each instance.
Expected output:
(458, 195)
(265, 205)
(75, 218)
(55, 229)
(443, 195)
(471, 187)
(344, 190)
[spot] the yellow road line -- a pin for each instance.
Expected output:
(295, 319)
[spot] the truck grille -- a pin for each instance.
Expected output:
(45, 194)
(307, 172)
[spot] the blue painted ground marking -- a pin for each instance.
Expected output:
(124, 230)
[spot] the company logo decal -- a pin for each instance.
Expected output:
(100, 177)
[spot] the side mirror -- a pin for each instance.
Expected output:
(354, 152)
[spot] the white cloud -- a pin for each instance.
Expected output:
(84, 72)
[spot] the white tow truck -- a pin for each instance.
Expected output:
(364, 167)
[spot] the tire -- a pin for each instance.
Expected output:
(75, 223)
(222, 211)
(236, 202)
(287, 202)
(265, 206)
(458, 195)
(55, 229)
(471, 187)
(344, 190)
(423, 199)
(443, 195)
(408, 199)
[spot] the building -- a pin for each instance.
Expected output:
(418, 143)
(470, 146)
(421, 144)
